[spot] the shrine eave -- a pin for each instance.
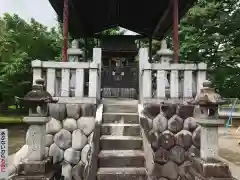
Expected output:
(148, 18)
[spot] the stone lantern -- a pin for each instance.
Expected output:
(208, 101)
(37, 100)
(37, 165)
(208, 165)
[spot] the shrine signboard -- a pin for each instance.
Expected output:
(3, 153)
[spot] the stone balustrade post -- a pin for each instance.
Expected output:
(166, 57)
(145, 75)
(165, 54)
(208, 165)
(75, 54)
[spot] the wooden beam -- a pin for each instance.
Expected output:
(163, 17)
(175, 30)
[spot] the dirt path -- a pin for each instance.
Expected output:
(229, 149)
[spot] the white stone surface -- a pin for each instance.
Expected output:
(37, 72)
(201, 76)
(36, 142)
(209, 142)
(161, 84)
(51, 76)
(57, 111)
(188, 81)
(20, 155)
(90, 138)
(72, 156)
(49, 140)
(174, 84)
(63, 139)
(73, 110)
(79, 140)
(56, 153)
(85, 153)
(77, 171)
(86, 124)
(70, 124)
(66, 170)
(79, 90)
(93, 78)
(146, 74)
(46, 152)
(65, 87)
(53, 126)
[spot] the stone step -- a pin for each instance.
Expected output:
(120, 129)
(120, 142)
(118, 108)
(117, 117)
(121, 158)
(126, 173)
(120, 101)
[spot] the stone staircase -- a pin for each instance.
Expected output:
(121, 156)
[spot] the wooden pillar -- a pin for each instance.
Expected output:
(65, 31)
(175, 31)
(85, 49)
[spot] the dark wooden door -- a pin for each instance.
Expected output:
(121, 82)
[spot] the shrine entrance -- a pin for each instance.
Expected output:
(120, 70)
(120, 81)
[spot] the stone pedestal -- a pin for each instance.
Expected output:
(209, 137)
(209, 169)
(39, 170)
(36, 137)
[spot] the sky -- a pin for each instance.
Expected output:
(40, 10)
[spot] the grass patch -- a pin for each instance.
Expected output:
(11, 119)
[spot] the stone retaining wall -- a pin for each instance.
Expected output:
(171, 136)
(69, 135)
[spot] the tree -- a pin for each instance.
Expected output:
(210, 33)
(20, 43)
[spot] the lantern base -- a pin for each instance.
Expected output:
(39, 170)
(213, 169)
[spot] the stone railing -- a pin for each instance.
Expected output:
(163, 80)
(171, 137)
(75, 82)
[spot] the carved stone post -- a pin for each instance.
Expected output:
(74, 55)
(208, 165)
(37, 165)
(166, 56)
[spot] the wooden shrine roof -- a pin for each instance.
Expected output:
(152, 18)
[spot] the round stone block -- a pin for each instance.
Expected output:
(73, 111)
(57, 111)
(86, 125)
(53, 126)
(72, 156)
(70, 124)
(56, 153)
(79, 140)
(63, 139)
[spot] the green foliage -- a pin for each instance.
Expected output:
(20, 43)
(210, 33)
